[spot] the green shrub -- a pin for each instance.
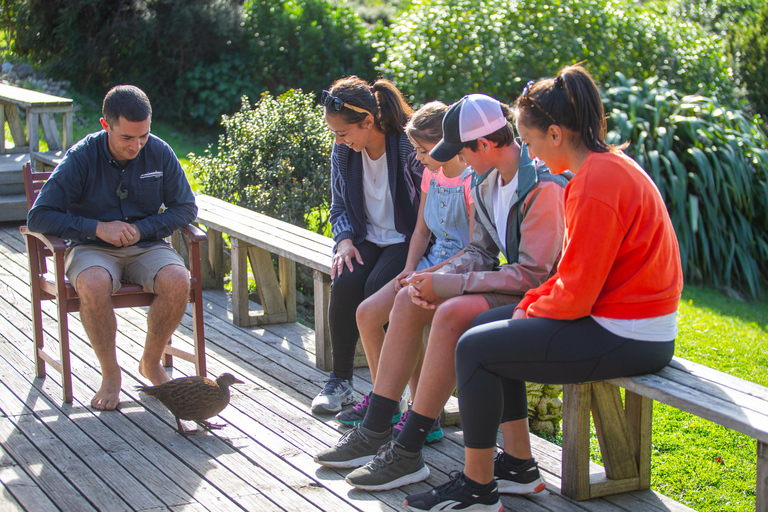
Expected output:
(273, 157)
(711, 165)
(443, 49)
(149, 43)
(301, 44)
(753, 62)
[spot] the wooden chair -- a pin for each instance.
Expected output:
(47, 286)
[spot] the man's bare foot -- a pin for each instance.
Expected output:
(153, 372)
(108, 395)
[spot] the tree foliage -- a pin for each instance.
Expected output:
(443, 49)
(273, 157)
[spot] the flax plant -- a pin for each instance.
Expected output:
(711, 165)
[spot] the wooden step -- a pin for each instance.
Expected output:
(11, 178)
(13, 208)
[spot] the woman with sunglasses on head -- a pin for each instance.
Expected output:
(374, 208)
(609, 311)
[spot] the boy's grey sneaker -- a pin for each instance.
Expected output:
(392, 467)
(356, 414)
(435, 433)
(356, 447)
(522, 479)
(336, 393)
(456, 494)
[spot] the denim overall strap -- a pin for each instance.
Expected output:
(445, 213)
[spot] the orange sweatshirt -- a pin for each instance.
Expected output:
(620, 257)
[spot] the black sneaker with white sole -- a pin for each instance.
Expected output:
(522, 479)
(456, 494)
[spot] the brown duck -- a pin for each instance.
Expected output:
(194, 398)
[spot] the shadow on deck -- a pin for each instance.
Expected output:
(57, 456)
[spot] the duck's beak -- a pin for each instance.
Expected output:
(237, 381)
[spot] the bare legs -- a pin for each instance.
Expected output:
(94, 286)
(372, 314)
(438, 381)
(401, 350)
(172, 290)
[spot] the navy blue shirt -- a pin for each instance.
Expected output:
(83, 190)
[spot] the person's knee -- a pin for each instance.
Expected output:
(367, 314)
(466, 347)
(94, 284)
(172, 280)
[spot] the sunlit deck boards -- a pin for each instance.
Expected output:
(55, 456)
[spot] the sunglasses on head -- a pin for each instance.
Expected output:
(335, 104)
(524, 97)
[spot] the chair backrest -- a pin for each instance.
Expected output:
(33, 182)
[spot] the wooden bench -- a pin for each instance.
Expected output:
(253, 237)
(624, 430)
(40, 109)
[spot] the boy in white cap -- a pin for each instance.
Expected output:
(518, 213)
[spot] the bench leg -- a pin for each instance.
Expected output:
(239, 283)
(577, 400)
(624, 435)
(322, 330)
(761, 492)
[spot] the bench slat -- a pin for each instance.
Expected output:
(709, 407)
(721, 378)
(216, 206)
(254, 228)
(270, 234)
(713, 388)
(270, 241)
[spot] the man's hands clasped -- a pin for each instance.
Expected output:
(118, 233)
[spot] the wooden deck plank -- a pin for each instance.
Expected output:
(19, 491)
(261, 461)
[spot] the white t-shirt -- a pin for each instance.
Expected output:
(659, 328)
(503, 197)
(379, 209)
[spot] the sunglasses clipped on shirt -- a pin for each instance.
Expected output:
(335, 104)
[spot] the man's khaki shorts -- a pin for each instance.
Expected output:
(132, 264)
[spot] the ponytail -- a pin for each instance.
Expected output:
(394, 111)
(571, 100)
(382, 100)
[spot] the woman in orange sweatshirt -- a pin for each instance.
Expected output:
(609, 311)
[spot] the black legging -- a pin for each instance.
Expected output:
(496, 357)
(380, 266)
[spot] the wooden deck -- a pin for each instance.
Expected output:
(56, 456)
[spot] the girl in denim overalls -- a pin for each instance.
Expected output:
(446, 211)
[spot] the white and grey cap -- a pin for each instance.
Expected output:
(470, 118)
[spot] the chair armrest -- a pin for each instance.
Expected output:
(52, 242)
(193, 234)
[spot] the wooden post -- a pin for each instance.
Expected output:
(612, 432)
(323, 356)
(575, 465)
(639, 411)
(15, 127)
(33, 131)
(761, 491)
(239, 282)
(216, 256)
(288, 287)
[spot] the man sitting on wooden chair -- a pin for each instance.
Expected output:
(104, 199)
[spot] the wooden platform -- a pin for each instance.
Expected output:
(60, 457)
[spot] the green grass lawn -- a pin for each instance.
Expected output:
(705, 466)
